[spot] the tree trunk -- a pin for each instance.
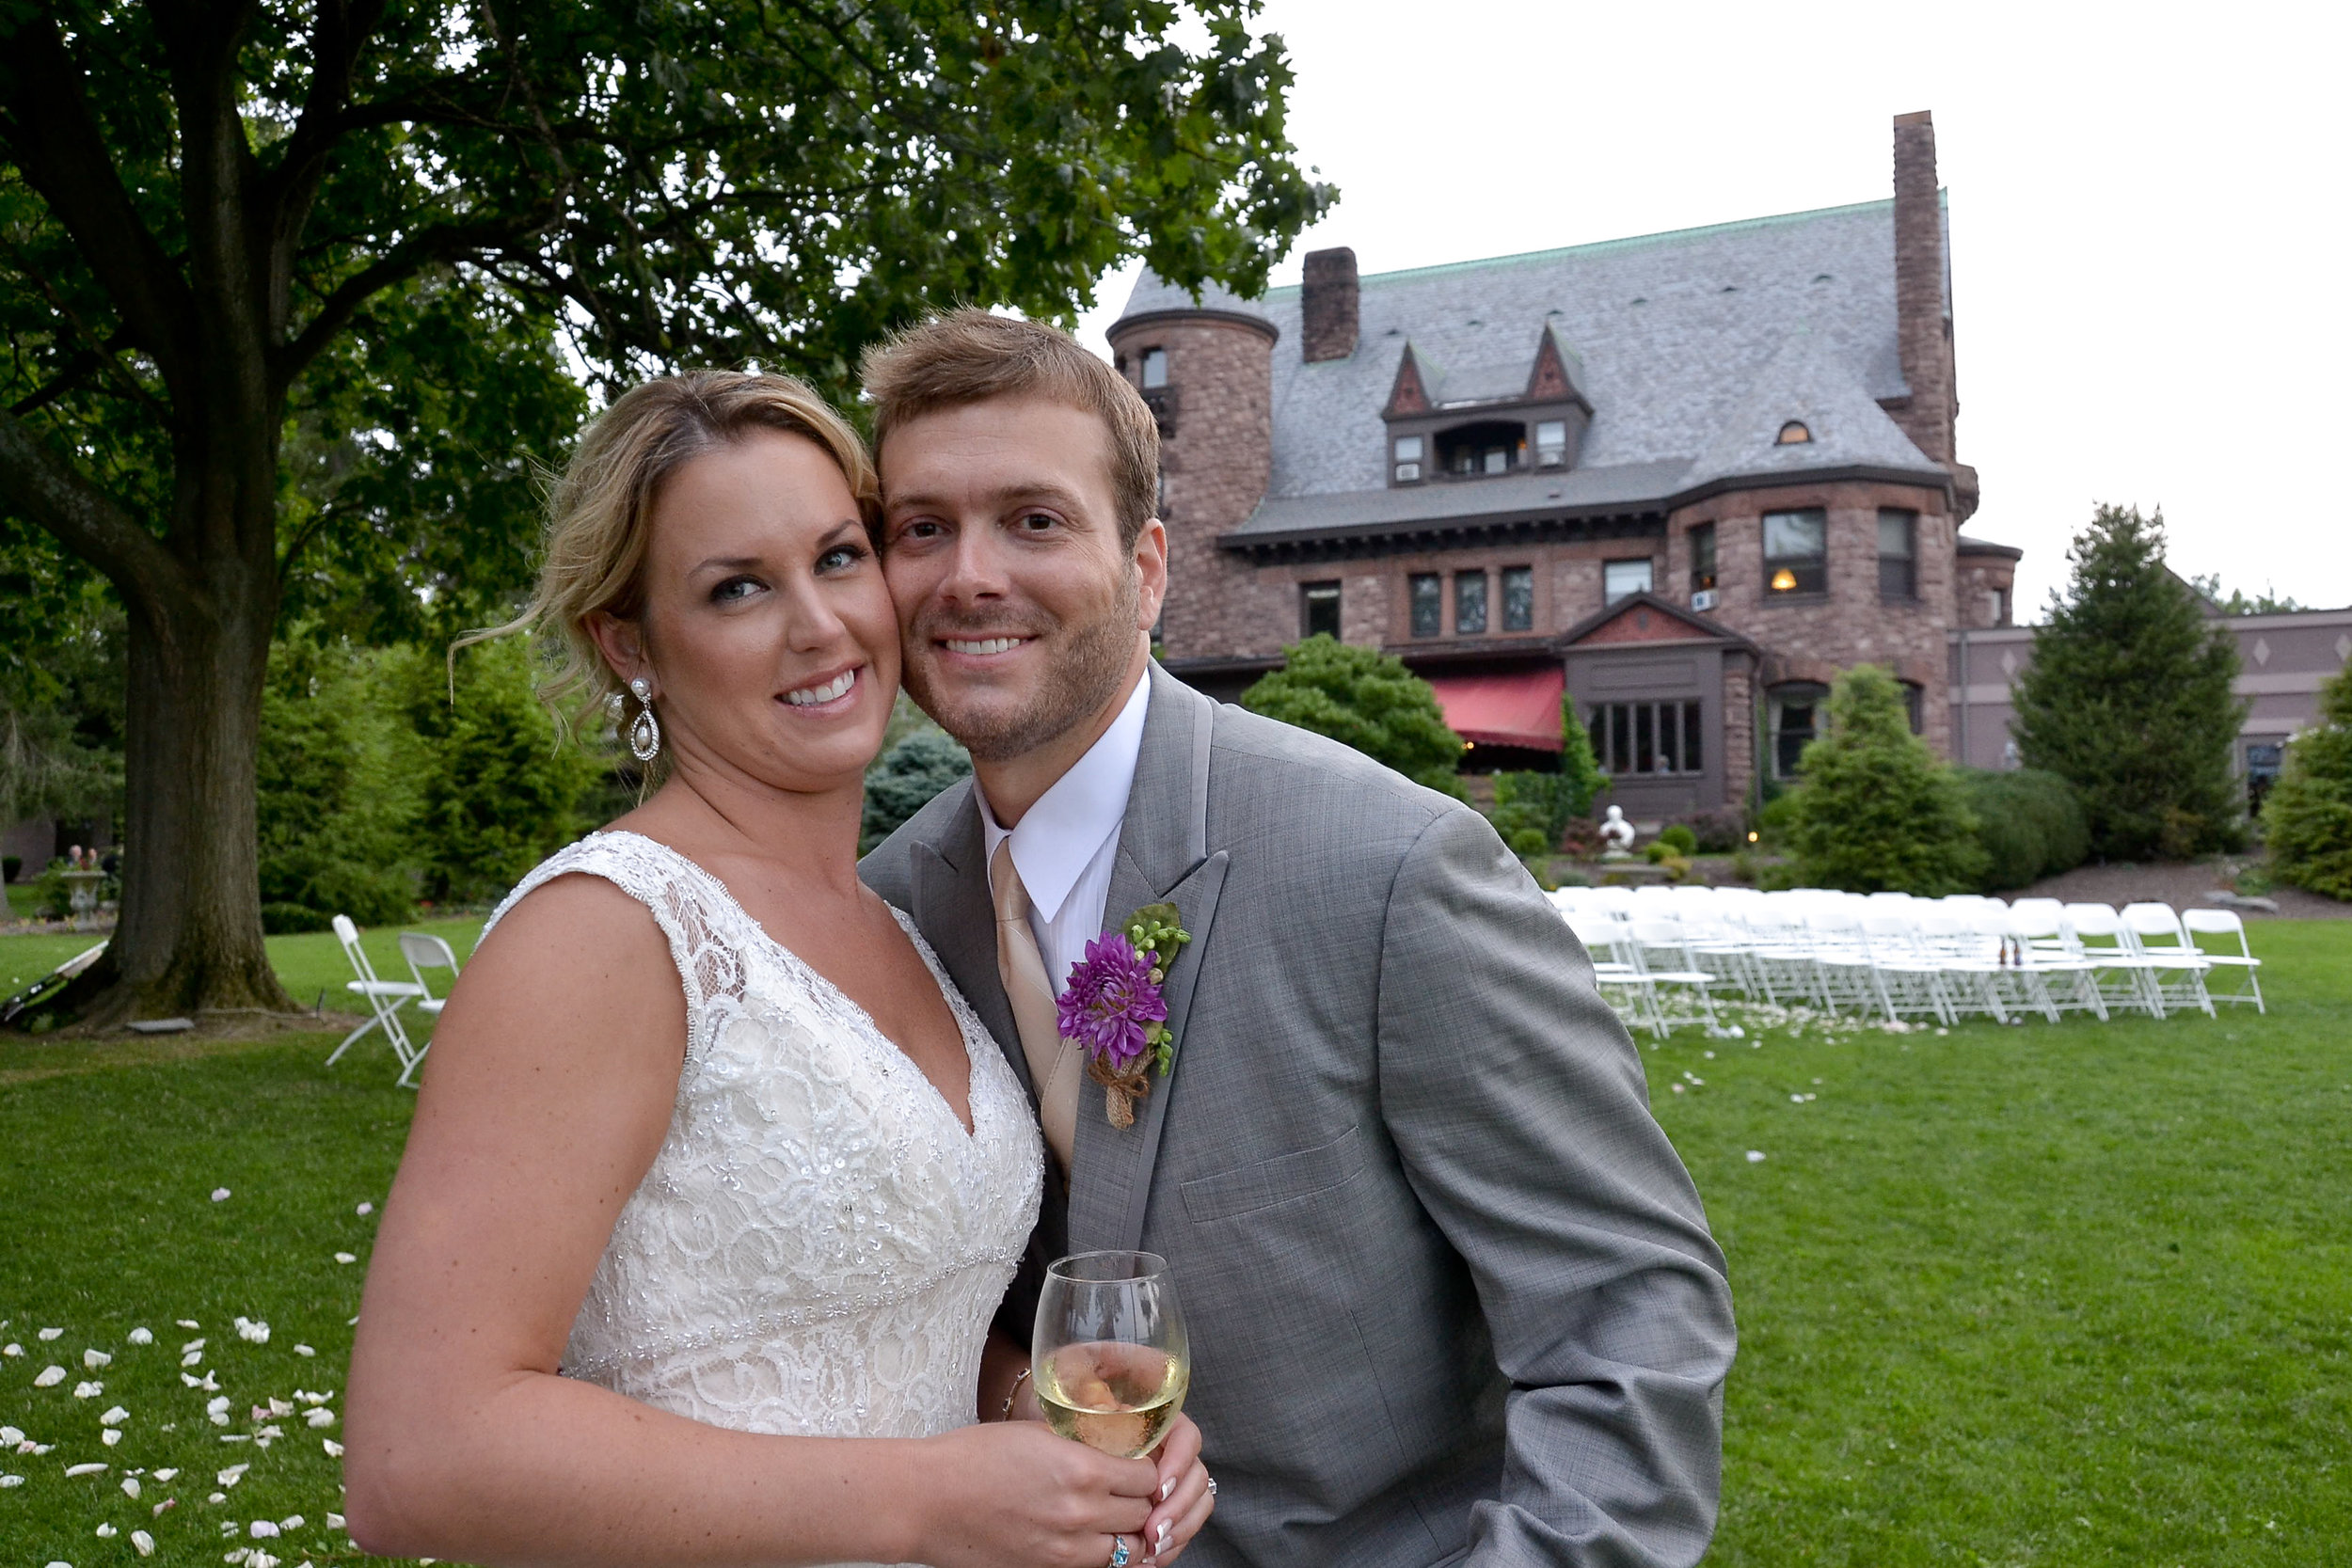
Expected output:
(189, 937)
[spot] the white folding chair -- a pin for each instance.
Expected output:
(1616, 971)
(385, 998)
(2225, 923)
(2173, 960)
(1663, 953)
(424, 952)
(2125, 976)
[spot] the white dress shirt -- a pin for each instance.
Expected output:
(1065, 846)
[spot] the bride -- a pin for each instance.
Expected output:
(715, 1181)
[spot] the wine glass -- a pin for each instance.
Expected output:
(1110, 1359)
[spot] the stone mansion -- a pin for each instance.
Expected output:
(1684, 478)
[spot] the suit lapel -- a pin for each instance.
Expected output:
(953, 910)
(1163, 857)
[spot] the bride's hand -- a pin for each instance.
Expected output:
(1011, 1495)
(1183, 1501)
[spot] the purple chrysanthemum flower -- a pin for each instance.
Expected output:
(1111, 1001)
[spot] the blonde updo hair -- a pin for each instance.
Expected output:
(601, 511)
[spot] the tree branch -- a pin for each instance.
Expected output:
(290, 190)
(446, 242)
(54, 140)
(84, 519)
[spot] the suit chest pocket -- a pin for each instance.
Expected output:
(1285, 1179)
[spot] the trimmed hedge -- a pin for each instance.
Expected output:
(2030, 822)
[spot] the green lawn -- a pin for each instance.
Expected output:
(309, 966)
(2068, 1295)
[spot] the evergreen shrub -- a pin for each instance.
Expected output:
(1876, 810)
(1681, 839)
(2307, 817)
(1363, 698)
(903, 780)
(2028, 823)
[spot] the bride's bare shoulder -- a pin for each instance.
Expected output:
(576, 947)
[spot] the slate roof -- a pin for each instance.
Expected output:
(1687, 344)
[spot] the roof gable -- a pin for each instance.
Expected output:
(1645, 617)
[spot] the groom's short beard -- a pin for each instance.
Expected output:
(1077, 686)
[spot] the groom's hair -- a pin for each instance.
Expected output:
(969, 356)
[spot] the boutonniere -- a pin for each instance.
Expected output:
(1113, 1007)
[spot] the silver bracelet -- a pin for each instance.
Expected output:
(1013, 1393)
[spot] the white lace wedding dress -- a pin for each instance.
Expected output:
(819, 1246)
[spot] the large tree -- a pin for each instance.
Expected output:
(279, 278)
(2128, 698)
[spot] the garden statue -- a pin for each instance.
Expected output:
(1617, 833)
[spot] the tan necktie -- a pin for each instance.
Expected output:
(1056, 1065)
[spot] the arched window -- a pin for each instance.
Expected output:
(1794, 434)
(1154, 368)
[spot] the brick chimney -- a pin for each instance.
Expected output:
(1327, 303)
(1924, 331)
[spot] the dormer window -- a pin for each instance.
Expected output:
(1408, 451)
(1551, 443)
(1489, 446)
(1154, 368)
(1794, 434)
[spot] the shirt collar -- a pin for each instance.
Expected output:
(1053, 843)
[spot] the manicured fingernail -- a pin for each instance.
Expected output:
(1165, 1527)
(1166, 1487)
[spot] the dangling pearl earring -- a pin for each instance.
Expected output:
(644, 735)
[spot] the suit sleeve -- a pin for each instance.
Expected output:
(1518, 1106)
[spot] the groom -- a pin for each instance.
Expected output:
(1451, 1295)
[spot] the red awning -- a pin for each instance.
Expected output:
(1519, 710)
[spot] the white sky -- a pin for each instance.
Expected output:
(2151, 296)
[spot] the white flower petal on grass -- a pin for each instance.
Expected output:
(261, 1559)
(252, 1332)
(346, 1257)
(304, 1349)
(192, 1347)
(292, 1521)
(160, 1508)
(130, 1486)
(1677, 1087)
(334, 1521)
(93, 1359)
(10, 1434)
(141, 1336)
(89, 1390)
(220, 1194)
(281, 1407)
(142, 1543)
(218, 1410)
(111, 1436)
(334, 1450)
(232, 1475)
(220, 1497)
(321, 1418)
(193, 1358)
(187, 1322)
(114, 1417)
(11, 1348)
(11, 1480)
(165, 1475)
(236, 1437)
(107, 1533)
(1755, 1155)
(367, 1207)
(263, 1530)
(83, 1469)
(49, 1377)
(52, 1333)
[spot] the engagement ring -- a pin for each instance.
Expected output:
(1118, 1551)
(1212, 1487)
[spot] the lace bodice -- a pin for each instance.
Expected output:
(819, 1245)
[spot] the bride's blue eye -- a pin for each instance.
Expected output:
(841, 558)
(734, 588)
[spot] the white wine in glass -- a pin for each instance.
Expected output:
(1111, 1361)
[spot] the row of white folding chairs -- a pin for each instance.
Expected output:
(1901, 955)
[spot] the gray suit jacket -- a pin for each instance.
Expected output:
(1452, 1296)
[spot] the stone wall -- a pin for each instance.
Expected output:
(1812, 639)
